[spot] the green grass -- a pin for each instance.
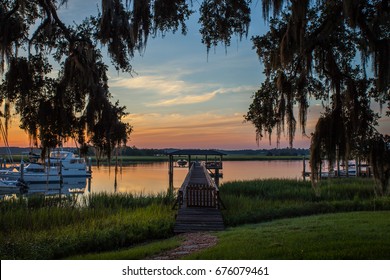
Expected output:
(264, 200)
(142, 251)
(358, 235)
(49, 228)
(106, 222)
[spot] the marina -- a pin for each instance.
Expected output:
(154, 178)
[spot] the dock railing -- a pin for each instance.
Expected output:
(198, 189)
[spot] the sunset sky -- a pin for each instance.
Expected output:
(180, 97)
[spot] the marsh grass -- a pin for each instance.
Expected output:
(264, 200)
(50, 230)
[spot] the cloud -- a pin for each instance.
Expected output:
(157, 84)
(184, 100)
(198, 130)
(165, 91)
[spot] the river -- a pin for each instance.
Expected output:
(153, 177)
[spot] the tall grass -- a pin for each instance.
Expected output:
(263, 200)
(38, 228)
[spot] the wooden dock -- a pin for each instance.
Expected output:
(199, 203)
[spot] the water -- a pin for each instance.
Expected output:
(153, 177)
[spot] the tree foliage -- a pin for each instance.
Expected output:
(311, 52)
(76, 103)
(34, 40)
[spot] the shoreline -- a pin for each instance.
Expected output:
(135, 159)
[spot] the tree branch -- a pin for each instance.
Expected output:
(14, 10)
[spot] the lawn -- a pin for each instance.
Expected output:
(264, 219)
(356, 235)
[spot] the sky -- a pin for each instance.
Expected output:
(182, 97)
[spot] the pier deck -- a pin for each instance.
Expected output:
(198, 200)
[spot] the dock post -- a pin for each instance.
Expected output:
(170, 171)
(338, 161)
(357, 167)
(22, 170)
(90, 165)
(216, 176)
(304, 169)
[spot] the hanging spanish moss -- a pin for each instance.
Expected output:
(77, 103)
(380, 162)
(309, 55)
(220, 19)
(126, 27)
(310, 52)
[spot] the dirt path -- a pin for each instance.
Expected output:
(193, 242)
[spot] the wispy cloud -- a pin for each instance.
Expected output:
(157, 84)
(172, 90)
(184, 100)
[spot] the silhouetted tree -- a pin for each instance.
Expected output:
(75, 103)
(311, 51)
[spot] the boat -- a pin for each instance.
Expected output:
(60, 165)
(182, 162)
(67, 164)
(67, 186)
(31, 173)
(12, 186)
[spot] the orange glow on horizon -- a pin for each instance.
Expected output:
(16, 136)
(198, 131)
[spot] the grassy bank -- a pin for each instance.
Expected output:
(40, 228)
(358, 235)
(264, 200)
(337, 236)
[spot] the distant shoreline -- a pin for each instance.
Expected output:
(124, 160)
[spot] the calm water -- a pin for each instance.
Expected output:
(153, 177)
(149, 178)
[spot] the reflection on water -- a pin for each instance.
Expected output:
(144, 178)
(67, 187)
(152, 178)
(249, 170)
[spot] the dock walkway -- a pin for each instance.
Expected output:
(198, 200)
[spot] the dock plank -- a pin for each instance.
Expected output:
(199, 211)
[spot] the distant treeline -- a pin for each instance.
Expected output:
(270, 152)
(134, 151)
